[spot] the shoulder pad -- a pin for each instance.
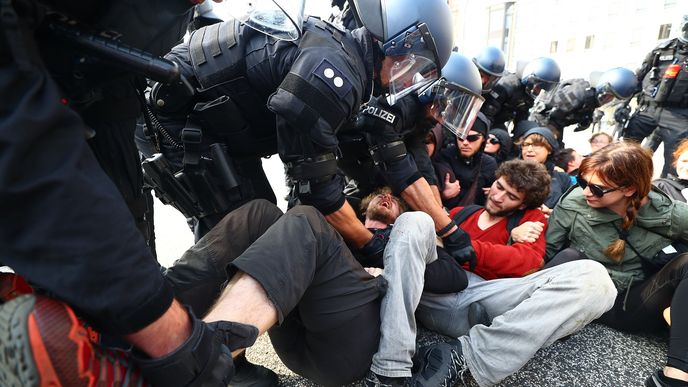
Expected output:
(665, 44)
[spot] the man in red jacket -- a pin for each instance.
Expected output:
(510, 309)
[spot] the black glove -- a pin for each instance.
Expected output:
(458, 245)
(622, 113)
(204, 360)
(371, 254)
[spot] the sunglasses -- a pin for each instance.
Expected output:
(595, 189)
(493, 140)
(472, 137)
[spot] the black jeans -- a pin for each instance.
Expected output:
(639, 308)
(328, 305)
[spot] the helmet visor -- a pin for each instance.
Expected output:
(280, 19)
(455, 107)
(414, 61)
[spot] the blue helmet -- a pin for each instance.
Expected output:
(491, 63)
(540, 74)
(455, 97)
(618, 83)
(416, 35)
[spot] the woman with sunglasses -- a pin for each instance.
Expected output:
(617, 218)
(498, 145)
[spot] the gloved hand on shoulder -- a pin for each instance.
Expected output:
(371, 254)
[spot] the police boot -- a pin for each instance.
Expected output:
(205, 358)
(252, 375)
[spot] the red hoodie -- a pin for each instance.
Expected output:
(496, 259)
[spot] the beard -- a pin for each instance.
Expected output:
(499, 213)
(380, 214)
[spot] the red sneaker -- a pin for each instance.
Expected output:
(42, 343)
(12, 286)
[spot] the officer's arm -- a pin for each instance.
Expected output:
(420, 197)
(344, 220)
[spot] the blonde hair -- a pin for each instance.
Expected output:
(623, 164)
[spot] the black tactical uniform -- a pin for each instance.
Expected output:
(508, 101)
(663, 102)
(573, 102)
(256, 97)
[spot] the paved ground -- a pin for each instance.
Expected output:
(595, 357)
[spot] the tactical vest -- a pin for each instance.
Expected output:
(666, 83)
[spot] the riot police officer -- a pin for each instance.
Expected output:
(246, 85)
(663, 102)
(453, 102)
(65, 70)
(574, 101)
(513, 95)
(491, 64)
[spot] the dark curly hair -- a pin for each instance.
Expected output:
(529, 177)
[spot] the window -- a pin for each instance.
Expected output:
(589, 41)
(553, 46)
(664, 31)
(570, 44)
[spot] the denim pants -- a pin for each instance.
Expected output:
(518, 315)
(411, 246)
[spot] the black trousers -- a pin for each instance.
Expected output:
(328, 305)
(639, 308)
(670, 125)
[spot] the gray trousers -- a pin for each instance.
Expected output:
(520, 315)
(411, 246)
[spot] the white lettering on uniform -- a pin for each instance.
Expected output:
(379, 113)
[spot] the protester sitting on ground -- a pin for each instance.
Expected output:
(501, 322)
(498, 145)
(539, 144)
(332, 314)
(568, 160)
(329, 318)
(599, 140)
(677, 186)
(464, 170)
(639, 234)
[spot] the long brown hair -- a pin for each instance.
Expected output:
(625, 165)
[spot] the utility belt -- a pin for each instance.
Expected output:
(208, 184)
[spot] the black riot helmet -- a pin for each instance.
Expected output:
(491, 63)
(683, 37)
(455, 98)
(417, 36)
(618, 83)
(540, 74)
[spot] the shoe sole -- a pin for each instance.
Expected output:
(17, 364)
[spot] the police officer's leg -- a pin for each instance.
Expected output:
(673, 125)
(327, 305)
(640, 125)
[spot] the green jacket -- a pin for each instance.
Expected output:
(590, 231)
